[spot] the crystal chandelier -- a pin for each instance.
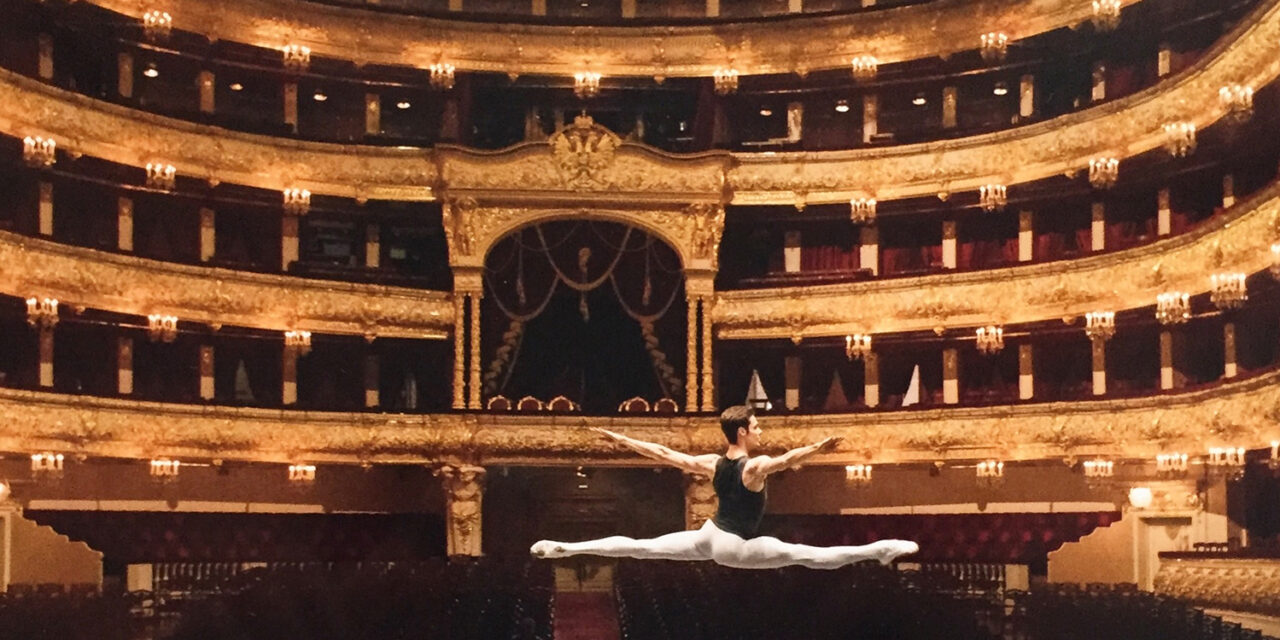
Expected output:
(992, 197)
(1173, 308)
(1100, 325)
(297, 57)
(297, 202)
(1172, 463)
(862, 210)
(162, 328)
(990, 339)
(47, 465)
(726, 81)
(39, 153)
(857, 346)
(864, 67)
(586, 84)
(42, 312)
(990, 473)
(1180, 138)
(1106, 14)
(165, 469)
(1228, 290)
(1237, 99)
(156, 24)
(995, 46)
(858, 475)
(302, 474)
(161, 176)
(442, 76)
(1103, 172)
(299, 341)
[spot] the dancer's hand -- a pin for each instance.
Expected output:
(829, 444)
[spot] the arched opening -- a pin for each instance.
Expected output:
(590, 310)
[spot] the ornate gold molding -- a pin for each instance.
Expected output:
(1235, 584)
(125, 284)
(1136, 428)
(1239, 242)
(798, 45)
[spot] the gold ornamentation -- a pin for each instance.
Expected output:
(700, 501)
(1251, 584)
(464, 492)
(708, 226)
(583, 151)
(458, 219)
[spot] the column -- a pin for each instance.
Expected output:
(795, 6)
(463, 496)
(700, 501)
(473, 399)
(795, 121)
(792, 366)
(1099, 227)
(628, 8)
(708, 378)
(124, 224)
(870, 117)
(691, 358)
(950, 376)
(869, 249)
(948, 107)
(1027, 96)
(1229, 349)
(372, 114)
(288, 241)
(290, 94)
(289, 388)
(949, 244)
(1099, 91)
(1228, 191)
(1166, 359)
(713, 8)
(44, 66)
(1164, 61)
(46, 356)
(871, 379)
(1026, 372)
(372, 246)
(45, 210)
(538, 7)
(1026, 236)
(1099, 350)
(791, 248)
(124, 365)
(124, 75)
(459, 350)
(371, 398)
(1164, 222)
(206, 83)
(208, 234)
(206, 372)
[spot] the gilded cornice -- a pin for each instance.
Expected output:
(1245, 584)
(799, 44)
(1238, 242)
(86, 278)
(1129, 428)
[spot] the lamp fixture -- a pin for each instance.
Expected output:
(990, 473)
(403, 104)
(1238, 101)
(302, 474)
(1103, 172)
(857, 346)
(161, 176)
(1173, 308)
(297, 202)
(1180, 138)
(162, 328)
(47, 465)
(862, 210)
(165, 469)
(726, 81)
(1227, 460)
(1000, 89)
(299, 341)
(151, 71)
(995, 45)
(919, 100)
(864, 67)
(1100, 325)
(1140, 497)
(441, 76)
(842, 106)
(586, 84)
(1099, 468)
(993, 197)
(1172, 463)
(235, 86)
(1228, 290)
(156, 24)
(858, 475)
(989, 339)
(42, 312)
(319, 96)
(296, 57)
(1106, 14)
(38, 152)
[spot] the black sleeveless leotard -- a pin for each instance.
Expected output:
(740, 508)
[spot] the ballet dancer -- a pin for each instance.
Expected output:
(730, 537)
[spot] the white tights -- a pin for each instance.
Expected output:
(711, 543)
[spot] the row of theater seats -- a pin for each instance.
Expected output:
(1112, 612)
(564, 405)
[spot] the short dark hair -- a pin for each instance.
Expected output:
(734, 418)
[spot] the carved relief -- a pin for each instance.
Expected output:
(583, 151)
(1238, 585)
(464, 493)
(700, 501)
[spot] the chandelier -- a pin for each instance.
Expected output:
(1228, 290)
(1180, 138)
(1100, 325)
(992, 197)
(42, 312)
(164, 469)
(1238, 101)
(1228, 460)
(1106, 14)
(864, 67)
(862, 210)
(161, 176)
(297, 202)
(995, 46)
(46, 465)
(1173, 308)
(302, 474)
(297, 57)
(442, 76)
(726, 81)
(39, 153)
(586, 84)
(162, 328)
(1103, 172)
(299, 341)
(1172, 463)
(990, 339)
(990, 473)
(156, 24)
(859, 475)
(857, 346)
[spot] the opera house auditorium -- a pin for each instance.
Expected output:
(308, 309)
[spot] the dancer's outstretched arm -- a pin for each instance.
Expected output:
(760, 467)
(704, 464)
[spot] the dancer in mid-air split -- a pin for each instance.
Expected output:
(730, 537)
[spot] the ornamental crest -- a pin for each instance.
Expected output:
(583, 151)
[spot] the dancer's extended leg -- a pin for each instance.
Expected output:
(771, 553)
(682, 545)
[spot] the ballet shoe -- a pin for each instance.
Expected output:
(890, 550)
(547, 549)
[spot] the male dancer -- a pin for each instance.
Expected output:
(730, 538)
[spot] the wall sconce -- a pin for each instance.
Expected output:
(862, 210)
(1098, 470)
(1180, 138)
(164, 469)
(297, 202)
(1228, 290)
(992, 197)
(1238, 101)
(990, 473)
(1140, 497)
(1230, 461)
(1103, 172)
(586, 84)
(302, 474)
(47, 465)
(858, 475)
(726, 81)
(299, 341)
(864, 67)
(161, 176)
(39, 153)
(1172, 463)
(1173, 308)
(296, 57)
(42, 312)
(857, 346)
(995, 46)
(1106, 14)
(989, 339)
(442, 76)
(156, 24)
(162, 328)
(1100, 325)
